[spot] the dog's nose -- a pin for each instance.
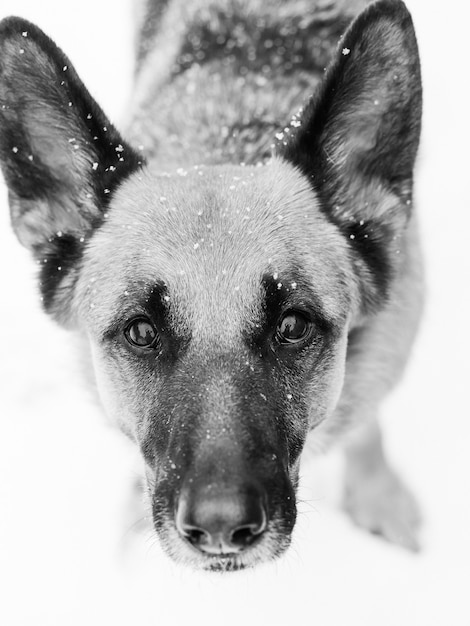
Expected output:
(221, 520)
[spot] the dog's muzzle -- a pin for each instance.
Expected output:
(221, 519)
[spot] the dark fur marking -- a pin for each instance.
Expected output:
(56, 260)
(64, 251)
(250, 429)
(280, 296)
(151, 301)
(367, 240)
(153, 13)
(254, 45)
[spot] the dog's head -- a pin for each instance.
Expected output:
(217, 300)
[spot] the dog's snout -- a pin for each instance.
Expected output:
(221, 520)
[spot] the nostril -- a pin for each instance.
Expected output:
(196, 536)
(244, 536)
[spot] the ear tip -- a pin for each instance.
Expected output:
(16, 26)
(20, 35)
(386, 25)
(395, 8)
(394, 12)
(17, 30)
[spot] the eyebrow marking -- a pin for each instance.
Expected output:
(292, 289)
(283, 291)
(142, 299)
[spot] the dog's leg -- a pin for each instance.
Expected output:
(374, 496)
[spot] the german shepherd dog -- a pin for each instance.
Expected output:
(242, 271)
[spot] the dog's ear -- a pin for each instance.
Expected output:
(357, 138)
(60, 155)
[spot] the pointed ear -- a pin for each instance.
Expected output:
(60, 155)
(357, 138)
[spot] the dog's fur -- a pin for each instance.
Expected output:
(218, 218)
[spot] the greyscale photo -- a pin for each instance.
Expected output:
(234, 244)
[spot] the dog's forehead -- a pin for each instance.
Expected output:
(210, 235)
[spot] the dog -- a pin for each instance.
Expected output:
(244, 272)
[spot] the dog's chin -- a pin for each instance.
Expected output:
(271, 546)
(221, 564)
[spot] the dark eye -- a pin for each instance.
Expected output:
(293, 327)
(141, 333)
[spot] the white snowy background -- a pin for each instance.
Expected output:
(68, 553)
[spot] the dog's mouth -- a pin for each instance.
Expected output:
(229, 562)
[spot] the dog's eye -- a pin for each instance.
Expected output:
(141, 333)
(293, 327)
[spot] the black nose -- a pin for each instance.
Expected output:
(221, 519)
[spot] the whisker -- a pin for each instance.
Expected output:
(142, 520)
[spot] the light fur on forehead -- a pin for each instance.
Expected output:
(210, 238)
